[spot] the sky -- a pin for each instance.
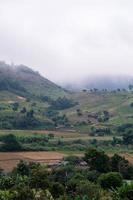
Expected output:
(67, 40)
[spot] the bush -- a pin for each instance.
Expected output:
(57, 189)
(62, 103)
(110, 180)
(125, 192)
(10, 143)
(85, 188)
(97, 160)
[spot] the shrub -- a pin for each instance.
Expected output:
(110, 180)
(97, 160)
(125, 192)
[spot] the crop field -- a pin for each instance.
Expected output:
(53, 150)
(9, 160)
(64, 135)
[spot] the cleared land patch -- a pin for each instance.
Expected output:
(9, 160)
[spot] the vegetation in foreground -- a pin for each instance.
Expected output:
(94, 177)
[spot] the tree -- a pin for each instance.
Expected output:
(10, 143)
(51, 135)
(125, 192)
(121, 165)
(5, 195)
(39, 178)
(115, 161)
(24, 193)
(22, 168)
(15, 106)
(57, 189)
(110, 180)
(6, 182)
(90, 190)
(128, 138)
(97, 160)
(30, 114)
(23, 110)
(62, 103)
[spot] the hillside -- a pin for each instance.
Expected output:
(101, 109)
(22, 80)
(25, 98)
(30, 101)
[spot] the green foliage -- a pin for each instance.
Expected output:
(128, 138)
(10, 143)
(60, 120)
(22, 168)
(110, 180)
(5, 195)
(24, 193)
(62, 103)
(90, 190)
(73, 160)
(97, 160)
(57, 189)
(120, 164)
(39, 178)
(115, 162)
(92, 175)
(11, 85)
(6, 182)
(65, 182)
(125, 192)
(15, 106)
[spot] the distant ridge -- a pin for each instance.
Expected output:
(22, 80)
(109, 82)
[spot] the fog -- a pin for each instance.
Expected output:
(67, 40)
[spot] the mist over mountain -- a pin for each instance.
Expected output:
(110, 82)
(24, 81)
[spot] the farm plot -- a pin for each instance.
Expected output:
(9, 160)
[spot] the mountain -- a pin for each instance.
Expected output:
(109, 82)
(23, 81)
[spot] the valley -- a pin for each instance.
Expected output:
(50, 133)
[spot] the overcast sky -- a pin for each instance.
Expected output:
(68, 39)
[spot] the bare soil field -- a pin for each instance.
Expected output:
(9, 160)
(129, 157)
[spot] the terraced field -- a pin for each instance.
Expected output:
(9, 160)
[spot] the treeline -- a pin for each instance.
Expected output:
(49, 142)
(18, 121)
(10, 85)
(96, 176)
(60, 103)
(14, 116)
(21, 118)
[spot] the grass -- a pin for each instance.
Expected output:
(66, 136)
(117, 104)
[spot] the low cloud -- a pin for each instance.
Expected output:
(70, 39)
